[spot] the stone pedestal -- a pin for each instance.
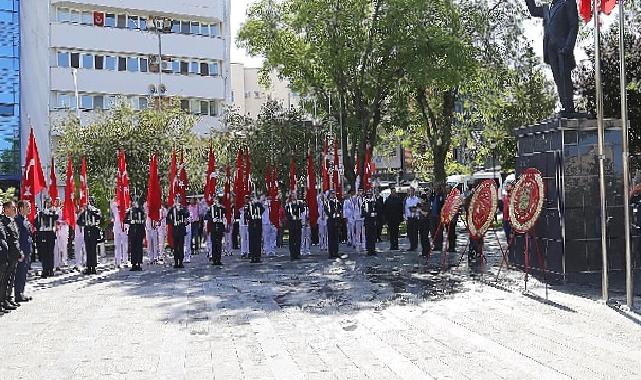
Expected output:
(569, 229)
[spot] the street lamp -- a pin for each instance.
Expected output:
(159, 25)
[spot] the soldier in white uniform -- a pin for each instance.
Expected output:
(269, 232)
(359, 227)
(322, 223)
(348, 215)
(162, 232)
(306, 233)
(121, 242)
(151, 232)
(411, 214)
(62, 238)
(80, 253)
(244, 230)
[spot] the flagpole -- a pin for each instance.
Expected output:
(601, 142)
(629, 286)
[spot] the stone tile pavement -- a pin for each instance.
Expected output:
(394, 316)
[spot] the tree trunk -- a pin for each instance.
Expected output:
(440, 155)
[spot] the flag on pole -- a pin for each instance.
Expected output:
(84, 189)
(324, 171)
(239, 182)
(357, 171)
(292, 175)
(212, 180)
(338, 186)
(585, 10)
(367, 168)
(173, 179)
(182, 180)
(248, 174)
(69, 212)
(53, 181)
(153, 190)
(122, 186)
(312, 202)
(33, 178)
(607, 6)
(227, 196)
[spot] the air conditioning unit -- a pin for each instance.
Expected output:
(163, 89)
(166, 66)
(152, 89)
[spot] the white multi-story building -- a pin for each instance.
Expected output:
(84, 55)
(249, 94)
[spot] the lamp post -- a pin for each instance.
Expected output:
(159, 25)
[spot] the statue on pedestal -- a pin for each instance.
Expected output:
(560, 28)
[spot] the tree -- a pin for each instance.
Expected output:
(7, 195)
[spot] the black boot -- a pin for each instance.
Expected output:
(7, 306)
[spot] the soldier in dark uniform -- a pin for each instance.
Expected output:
(89, 218)
(12, 257)
(26, 246)
(424, 213)
(333, 209)
(178, 217)
(217, 224)
(370, 213)
(135, 218)
(394, 216)
(254, 217)
(294, 210)
(4, 266)
(380, 216)
(437, 199)
(46, 236)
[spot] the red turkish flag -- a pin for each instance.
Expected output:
(173, 170)
(99, 19)
(338, 186)
(607, 6)
(312, 202)
(182, 181)
(153, 190)
(585, 10)
(53, 181)
(212, 179)
(122, 186)
(357, 171)
(227, 196)
(274, 210)
(84, 189)
(69, 211)
(239, 182)
(33, 179)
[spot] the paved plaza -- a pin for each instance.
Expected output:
(392, 316)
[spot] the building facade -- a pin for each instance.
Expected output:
(83, 56)
(10, 130)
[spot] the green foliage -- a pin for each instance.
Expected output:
(7, 195)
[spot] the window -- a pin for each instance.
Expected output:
(109, 102)
(86, 102)
(64, 15)
(185, 27)
(194, 106)
(75, 16)
(143, 102)
(175, 26)
(213, 69)
(204, 69)
(121, 21)
(63, 59)
(6, 109)
(132, 22)
(110, 20)
(99, 62)
(99, 102)
(204, 108)
(143, 65)
(86, 18)
(133, 101)
(214, 30)
(184, 68)
(75, 60)
(195, 27)
(142, 23)
(132, 64)
(64, 101)
(175, 66)
(194, 68)
(184, 105)
(87, 61)
(204, 29)
(213, 109)
(122, 64)
(110, 63)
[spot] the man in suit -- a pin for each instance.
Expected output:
(560, 28)
(26, 245)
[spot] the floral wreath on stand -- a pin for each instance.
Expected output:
(482, 209)
(526, 201)
(451, 206)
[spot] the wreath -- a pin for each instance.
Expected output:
(451, 206)
(482, 209)
(526, 201)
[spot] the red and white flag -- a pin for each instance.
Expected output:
(84, 189)
(33, 179)
(173, 179)
(53, 181)
(239, 182)
(368, 168)
(312, 202)
(69, 211)
(182, 180)
(153, 190)
(324, 171)
(212, 178)
(122, 186)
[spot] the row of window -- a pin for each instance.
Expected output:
(89, 102)
(133, 63)
(134, 22)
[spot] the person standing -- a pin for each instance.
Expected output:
(13, 256)
(348, 215)
(333, 210)
(306, 232)
(294, 225)
(4, 265)
(370, 214)
(243, 227)
(358, 236)
(254, 216)
(322, 223)
(394, 215)
(162, 232)
(380, 218)
(26, 246)
(121, 246)
(269, 235)
(46, 236)
(89, 219)
(151, 233)
(178, 218)
(411, 215)
(135, 219)
(216, 226)
(80, 252)
(62, 237)
(423, 209)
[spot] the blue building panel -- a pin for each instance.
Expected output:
(9, 92)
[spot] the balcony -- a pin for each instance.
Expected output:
(127, 83)
(206, 10)
(115, 40)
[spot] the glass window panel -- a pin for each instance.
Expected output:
(74, 16)
(63, 59)
(86, 102)
(99, 62)
(213, 69)
(6, 109)
(87, 61)
(184, 68)
(185, 27)
(194, 68)
(214, 30)
(213, 109)
(195, 27)
(143, 102)
(64, 15)
(175, 66)
(142, 23)
(110, 20)
(194, 106)
(143, 65)
(99, 102)
(204, 108)
(110, 63)
(122, 64)
(204, 29)
(87, 18)
(184, 105)
(175, 26)
(132, 22)
(122, 21)
(204, 69)
(75, 60)
(132, 64)
(63, 101)
(110, 102)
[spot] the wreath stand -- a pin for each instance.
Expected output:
(540, 257)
